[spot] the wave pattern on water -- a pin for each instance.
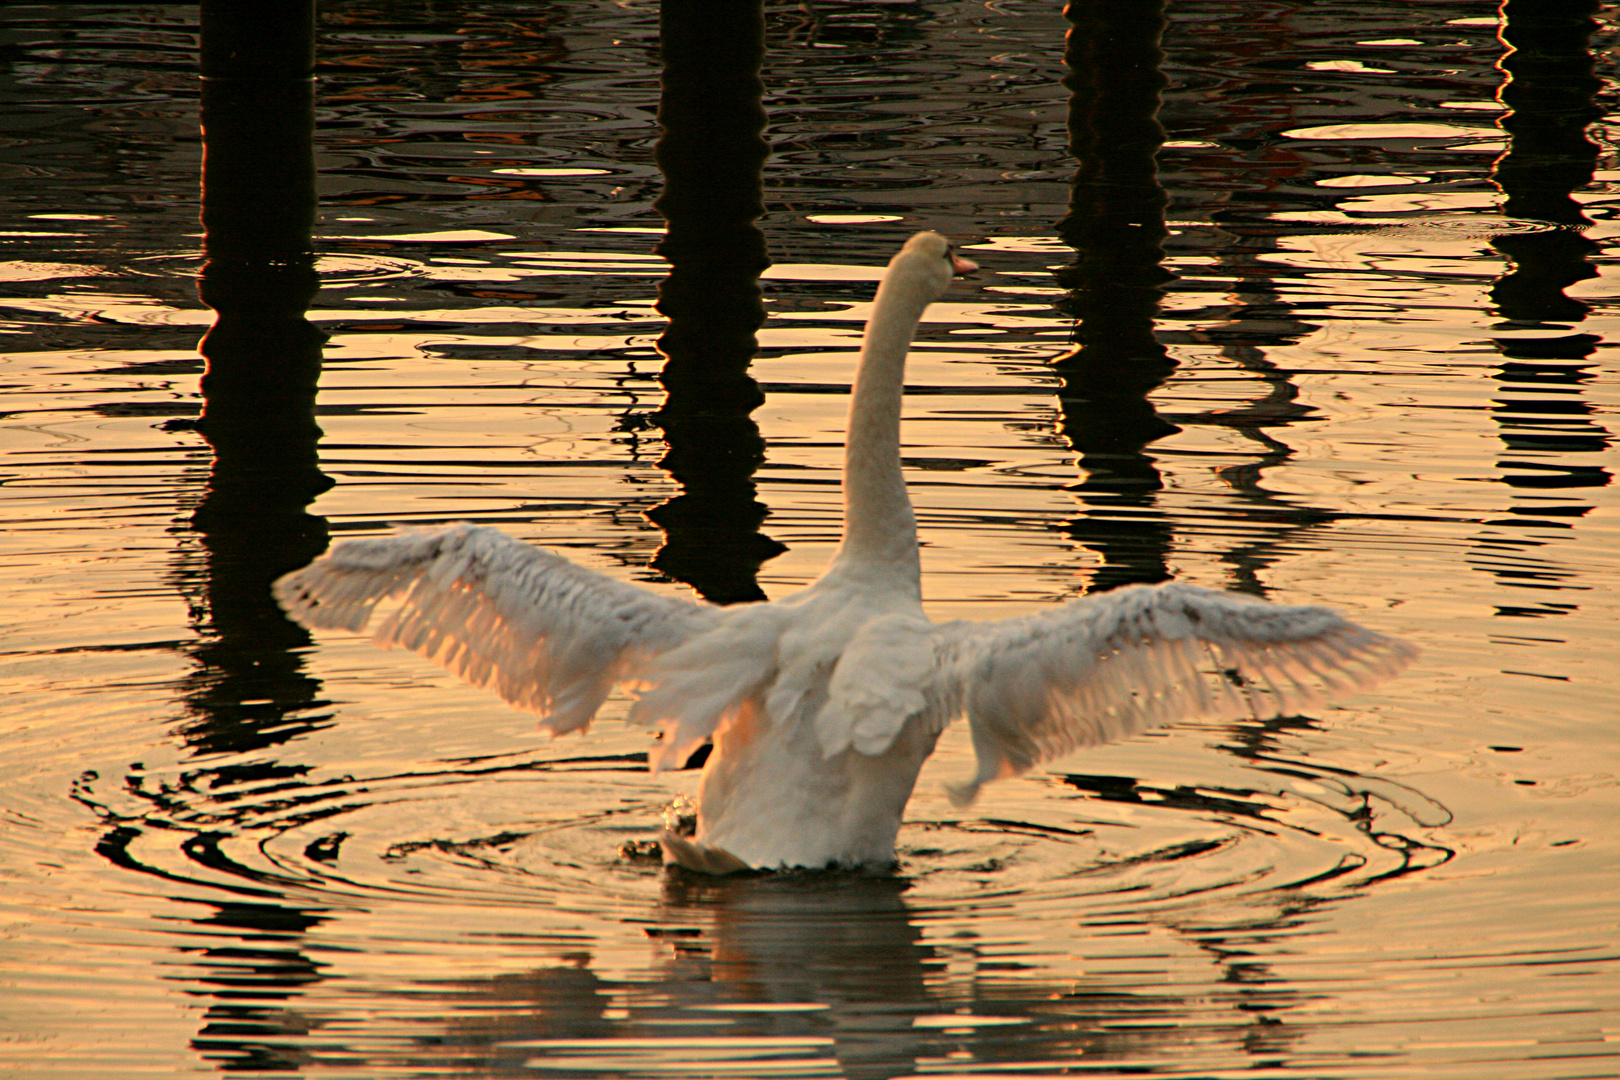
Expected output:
(1314, 303)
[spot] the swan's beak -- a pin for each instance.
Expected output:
(962, 266)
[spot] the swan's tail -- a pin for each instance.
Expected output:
(703, 858)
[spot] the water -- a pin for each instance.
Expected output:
(1342, 331)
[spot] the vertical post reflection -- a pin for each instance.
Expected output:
(258, 208)
(711, 152)
(1116, 226)
(1549, 94)
(1549, 91)
(264, 357)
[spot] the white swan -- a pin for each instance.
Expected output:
(823, 705)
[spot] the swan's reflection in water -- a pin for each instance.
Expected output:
(824, 974)
(845, 942)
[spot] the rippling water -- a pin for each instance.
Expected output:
(1308, 301)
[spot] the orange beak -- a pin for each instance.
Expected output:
(962, 266)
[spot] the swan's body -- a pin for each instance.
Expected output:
(823, 705)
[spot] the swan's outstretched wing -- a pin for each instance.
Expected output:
(545, 634)
(1107, 666)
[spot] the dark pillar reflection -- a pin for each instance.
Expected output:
(258, 207)
(1550, 93)
(251, 1026)
(1116, 226)
(254, 962)
(249, 689)
(712, 152)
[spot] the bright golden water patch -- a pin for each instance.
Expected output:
(225, 845)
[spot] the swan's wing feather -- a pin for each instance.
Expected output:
(1107, 666)
(691, 691)
(881, 681)
(543, 633)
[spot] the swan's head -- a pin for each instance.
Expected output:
(927, 260)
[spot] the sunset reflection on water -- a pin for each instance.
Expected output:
(1310, 304)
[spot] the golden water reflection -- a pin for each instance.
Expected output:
(229, 849)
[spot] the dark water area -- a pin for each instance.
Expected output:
(1310, 301)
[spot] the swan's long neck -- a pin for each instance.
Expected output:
(880, 529)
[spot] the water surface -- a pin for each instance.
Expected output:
(1312, 302)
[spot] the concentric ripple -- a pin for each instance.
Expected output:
(496, 830)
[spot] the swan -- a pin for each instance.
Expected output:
(823, 705)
